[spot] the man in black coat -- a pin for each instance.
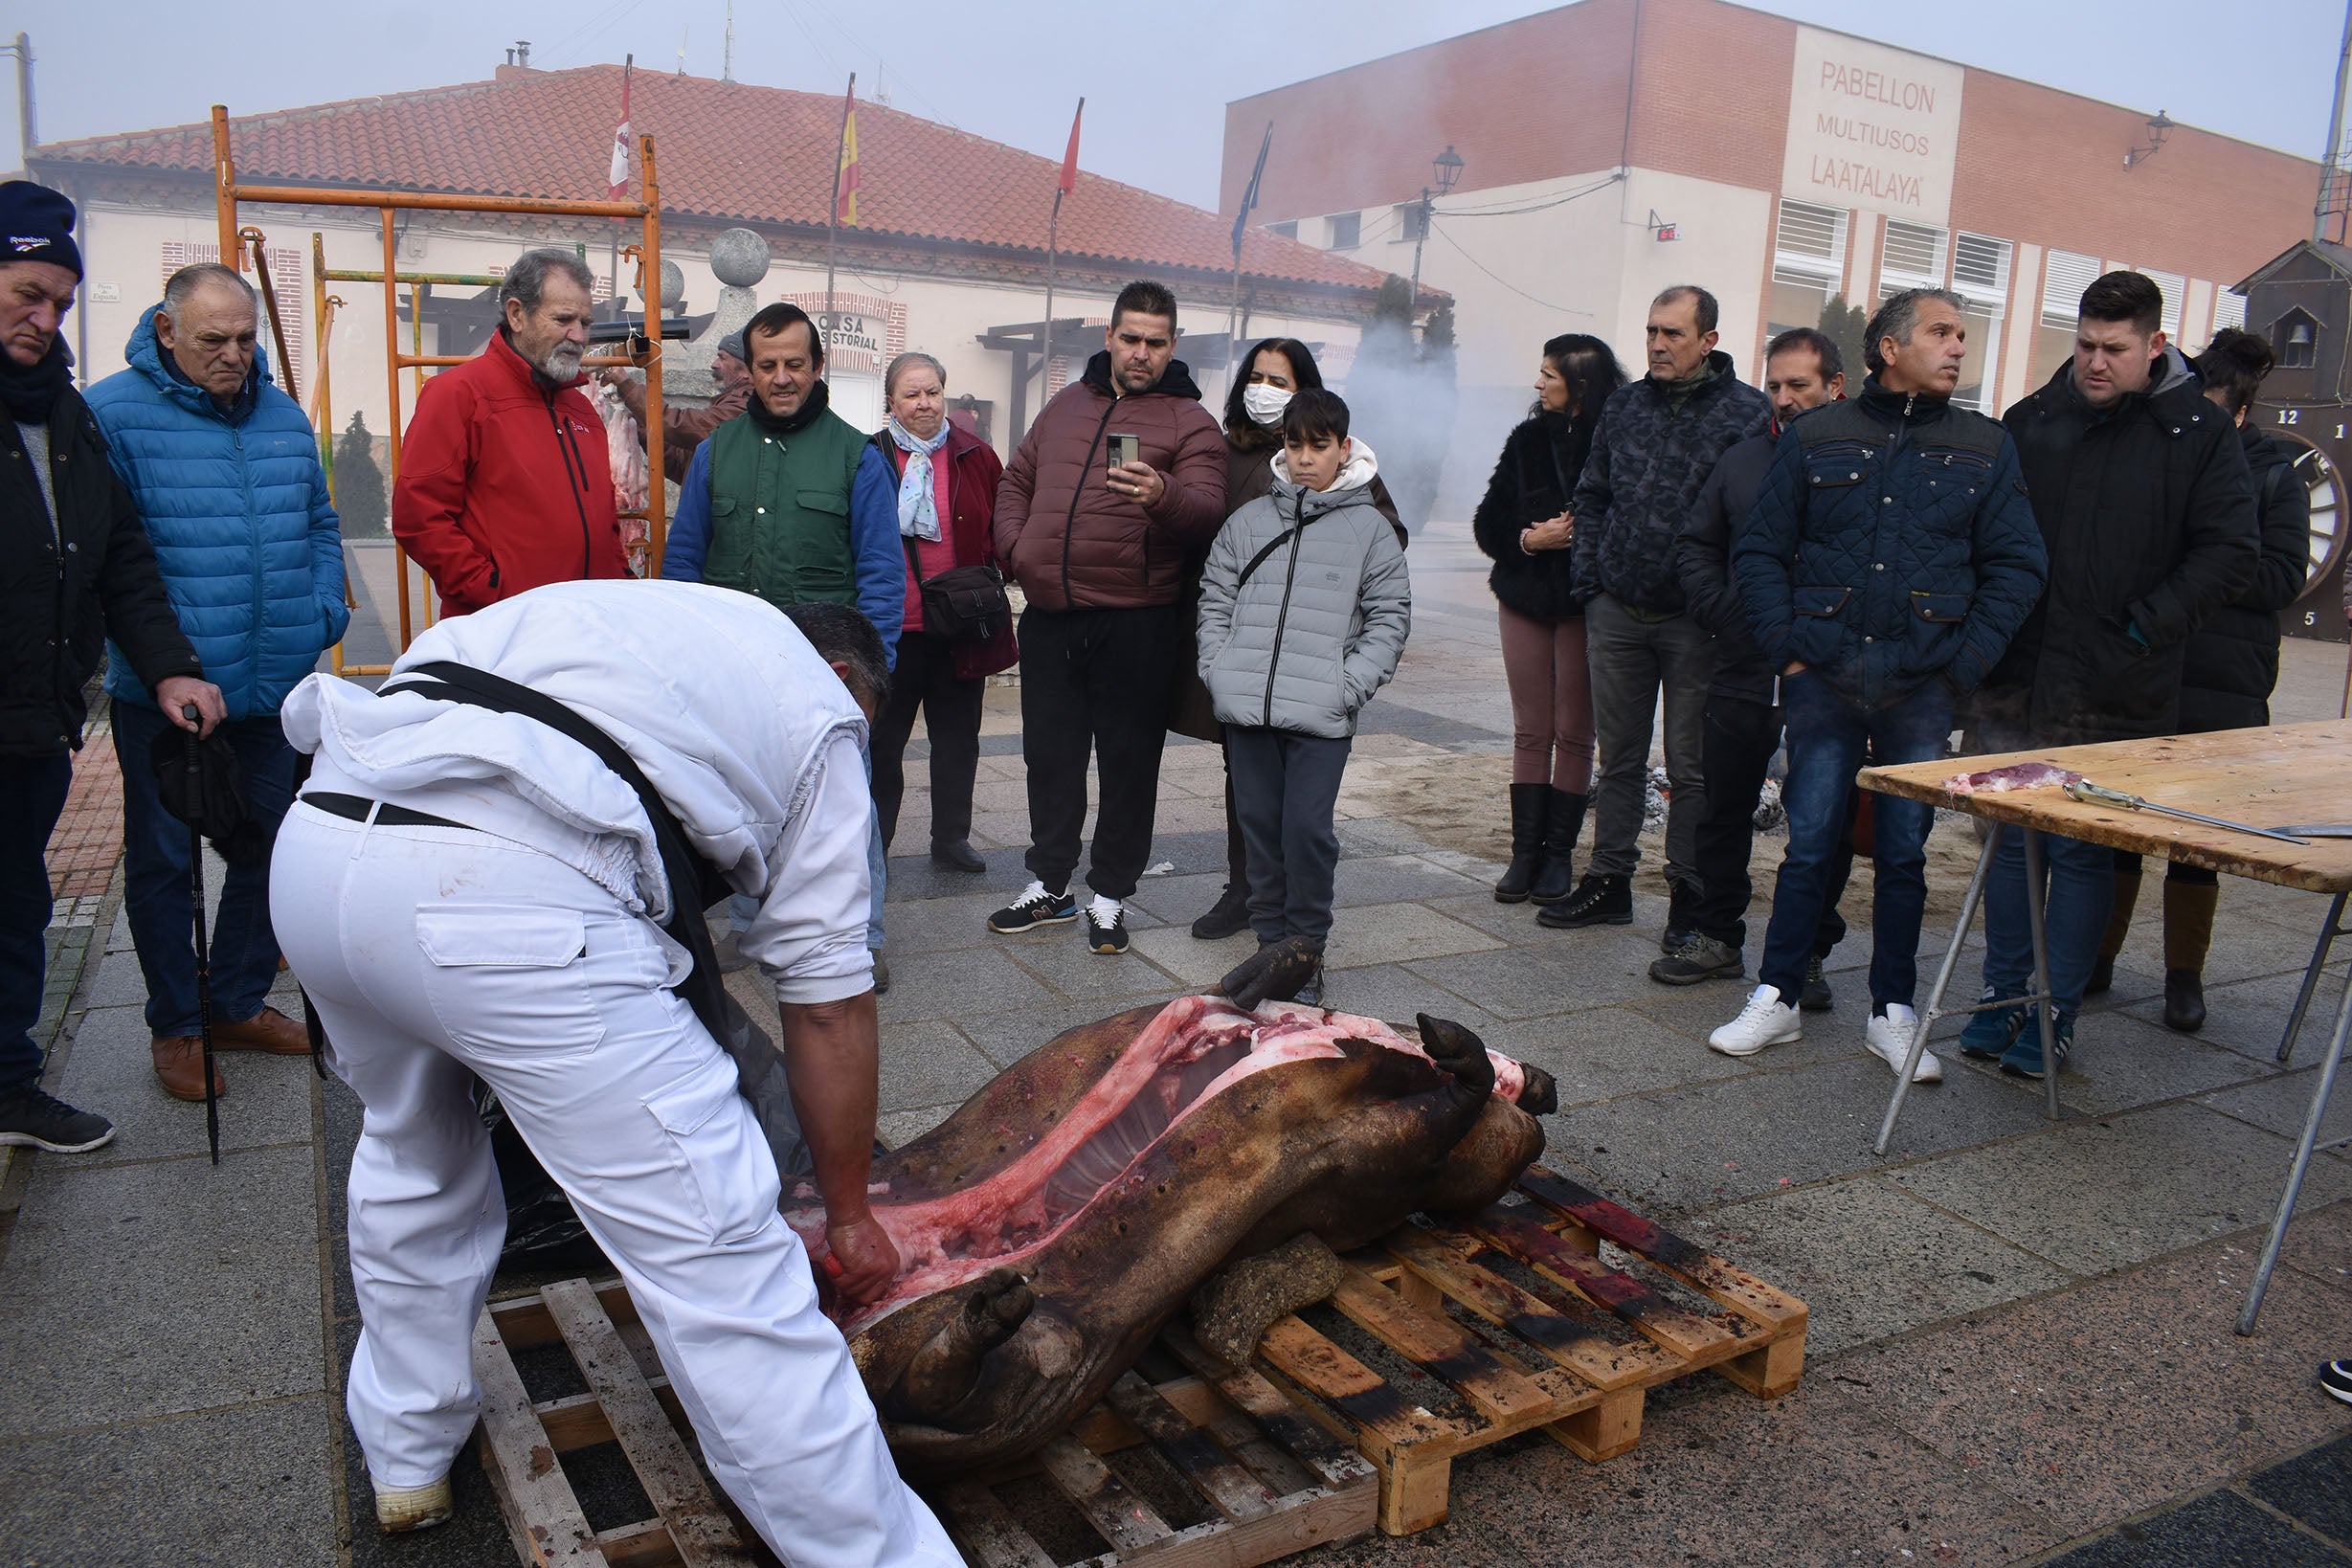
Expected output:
(2229, 668)
(76, 567)
(1802, 369)
(2141, 488)
(1657, 440)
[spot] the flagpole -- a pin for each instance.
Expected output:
(1241, 223)
(1053, 238)
(833, 213)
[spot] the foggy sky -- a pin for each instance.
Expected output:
(1157, 79)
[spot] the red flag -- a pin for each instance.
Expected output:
(618, 175)
(1069, 159)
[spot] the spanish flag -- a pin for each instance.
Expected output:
(845, 204)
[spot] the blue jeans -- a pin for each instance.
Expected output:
(2079, 888)
(1826, 737)
(155, 877)
(32, 794)
(741, 907)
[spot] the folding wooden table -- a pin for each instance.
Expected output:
(2288, 775)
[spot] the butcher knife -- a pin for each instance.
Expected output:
(2098, 794)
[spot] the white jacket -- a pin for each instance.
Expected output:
(751, 738)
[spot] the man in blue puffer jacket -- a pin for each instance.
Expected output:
(225, 471)
(1890, 555)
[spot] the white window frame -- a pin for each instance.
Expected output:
(1801, 263)
(2064, 276)
(1355, 222)
(1894, 275)
(2228, 309)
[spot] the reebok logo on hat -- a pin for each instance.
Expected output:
(28, 242)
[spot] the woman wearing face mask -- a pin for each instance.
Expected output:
(1524, 525)
(1277, 368)
(944, 479)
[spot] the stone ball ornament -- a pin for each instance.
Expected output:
(739, 259)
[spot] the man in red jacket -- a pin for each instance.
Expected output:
(503, 482)
(1099, 545)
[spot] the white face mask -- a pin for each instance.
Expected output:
(1264, 403)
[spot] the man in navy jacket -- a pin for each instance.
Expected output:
(1891, 556)
(225, 471)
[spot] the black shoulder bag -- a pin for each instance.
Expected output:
(963, 604)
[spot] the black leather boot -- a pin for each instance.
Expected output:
(1563, 821)
(1527, 817)
(1600, 900)
(2183, 1000)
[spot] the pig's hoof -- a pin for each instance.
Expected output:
(1457, 1051)
(1539, 1094)
(998, 1306)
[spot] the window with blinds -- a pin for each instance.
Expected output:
(2173, 285)
(1808, 264)
(2064, 277)
(1981, 269)
(2228, 309)
(1912, 257)
(1980, 278)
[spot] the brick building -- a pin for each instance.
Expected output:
(1614, 147)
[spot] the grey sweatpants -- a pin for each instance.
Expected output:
(1285, 787)
(1631, 661)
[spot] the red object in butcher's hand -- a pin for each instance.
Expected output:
(2017, 775)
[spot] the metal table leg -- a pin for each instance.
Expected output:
(2328, 933)
(1943, 980)
(2303, 1151)
(2034, 922)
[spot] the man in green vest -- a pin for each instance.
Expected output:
(766, 508)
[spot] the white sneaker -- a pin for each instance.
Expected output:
(1889, 1038)
(1767, 1021)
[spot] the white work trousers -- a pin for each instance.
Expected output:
(430, 953)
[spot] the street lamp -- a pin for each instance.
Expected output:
(1447, 169)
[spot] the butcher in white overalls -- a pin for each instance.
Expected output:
(468, 893)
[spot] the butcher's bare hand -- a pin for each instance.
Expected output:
(867, 1257)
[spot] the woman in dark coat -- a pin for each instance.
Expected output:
(2228, 669)
(1277, 368)
(1525, 526)
(943, 678)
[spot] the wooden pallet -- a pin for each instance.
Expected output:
(629, 1401)
(1573, 1362)
(1277, 1481)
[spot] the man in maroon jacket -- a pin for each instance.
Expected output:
(503, 481)
(1099, 545)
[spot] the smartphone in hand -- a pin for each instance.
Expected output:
(1124, 448)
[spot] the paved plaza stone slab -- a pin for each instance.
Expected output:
(2104, 1402)
(1396, 994)
(2091, 1195)
(224, 1489)
(1606, 1054)
(1693, 1147)
(1721, 1480)
(2281, 1102)
(2315, 1488)
(945, 923)
(948, 985)
(1073, 969)
(147, 1289)
(2122, 1060)
(2319, 1242)
(1698, 1011)
(1194, 963)
(930, 1063)
(1526, 983)
(111, 1070)
(1391, 933)
(2249, 1016)
(1005, 1038)
(2219, 1528)
(1869, 1260)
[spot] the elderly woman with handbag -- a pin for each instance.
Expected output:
(958, 627)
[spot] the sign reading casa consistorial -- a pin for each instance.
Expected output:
(1872, 127)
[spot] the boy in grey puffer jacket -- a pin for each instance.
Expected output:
(1305, 605)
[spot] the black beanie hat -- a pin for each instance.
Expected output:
(36, 224)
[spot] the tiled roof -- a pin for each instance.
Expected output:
(728, 151)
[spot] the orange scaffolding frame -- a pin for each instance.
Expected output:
(646, 211)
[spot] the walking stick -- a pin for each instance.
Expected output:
(204, 958)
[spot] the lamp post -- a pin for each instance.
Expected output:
(1447, 169)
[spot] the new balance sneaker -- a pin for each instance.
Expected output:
(2337, 1379)
(1105, 926)
(1698, 957)
(1815, 996)
(1990, 1034)
(1889, 1034)
(32, 1118)
(1035, 907)
(413, 1507)
(1767, 1021)
(2023, 1056)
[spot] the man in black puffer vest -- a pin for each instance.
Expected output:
(1802, 370)
(1658, 439)
(1889, 558)
(2142, 494)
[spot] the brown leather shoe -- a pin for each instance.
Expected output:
(268, 1030)
(179, 1067)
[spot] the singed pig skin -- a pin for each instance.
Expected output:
(1346, 1146)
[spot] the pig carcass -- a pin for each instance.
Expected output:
(1052, 1225)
